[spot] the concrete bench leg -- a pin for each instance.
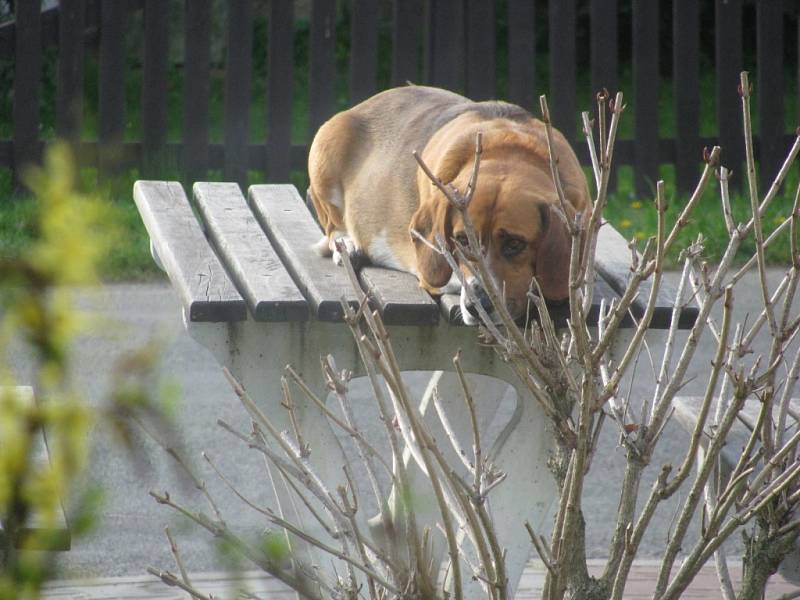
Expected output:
(522, 452)
(256, 354)
(489, 394)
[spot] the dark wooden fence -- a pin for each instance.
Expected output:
(449, 43)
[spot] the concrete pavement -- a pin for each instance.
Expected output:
(130, 534)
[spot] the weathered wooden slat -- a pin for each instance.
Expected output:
(562, 66)
(445, 46)
(206, 292)
(364, 50)
(238, 63)
(728, 33)
(604, 46)
(69, 95)
(522, 54)
(245, 250)
(686, 91)
(27, 83)
(613, 263)
(481, 51)
(154, 88)
(292, 230)
(111, 117)
(687, 411)
(322, 63)
(279, 89)
(49, 536)
(196, 86)
(770, 86)
(645, 94)
(407, 27)
(398, 297)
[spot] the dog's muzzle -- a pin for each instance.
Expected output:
(480, 294)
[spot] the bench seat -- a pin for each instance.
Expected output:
(255, 255)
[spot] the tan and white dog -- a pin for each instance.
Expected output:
(367, 189)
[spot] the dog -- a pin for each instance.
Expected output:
(369, 192)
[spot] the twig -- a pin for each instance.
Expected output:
(171, 580)
(477, 472)
(744, 90)
(540, 549)
(448, 429)
(173, 548)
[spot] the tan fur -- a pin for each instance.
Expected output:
(363, 158)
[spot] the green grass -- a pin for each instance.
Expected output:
(636, 217)
(633, 216)
(129, 258)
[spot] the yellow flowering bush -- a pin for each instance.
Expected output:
(36, 308)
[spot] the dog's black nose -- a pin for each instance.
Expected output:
(483, 298)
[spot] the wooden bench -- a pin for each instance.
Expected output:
(255, 293)
(687, 411)
(40, 533)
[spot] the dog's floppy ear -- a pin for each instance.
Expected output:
(552, 258)
(432, 218)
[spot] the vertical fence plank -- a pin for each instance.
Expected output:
(69, 95)
(196, 86)
(728, 30)
(645, 94)
(27, 77)
(238, 62)
(322, 67)
(113, 17)
(279, 89)
(445, 47)
(522, 53)
(604, 54)
(407, 25)
(770, 86)
(481, 50)
(154, 88)
(604, 48)
(686, 91)
(364, 50)
(562, 66)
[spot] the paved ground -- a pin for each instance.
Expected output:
(130, 536)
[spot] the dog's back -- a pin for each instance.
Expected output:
(361, 159)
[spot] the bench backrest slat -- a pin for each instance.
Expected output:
(292, 231)
(613, 263)
(243, 247)
(206, 291)
(398, 297)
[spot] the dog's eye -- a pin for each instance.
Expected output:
(512, 247)
(462, 239)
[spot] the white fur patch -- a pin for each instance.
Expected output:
(321, 247)
(336, 198)
(466, 316)
(453, 286)
(381, 254)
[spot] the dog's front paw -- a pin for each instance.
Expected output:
(322, 247)
(357, 256)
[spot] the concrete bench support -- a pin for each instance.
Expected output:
(257, 296)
